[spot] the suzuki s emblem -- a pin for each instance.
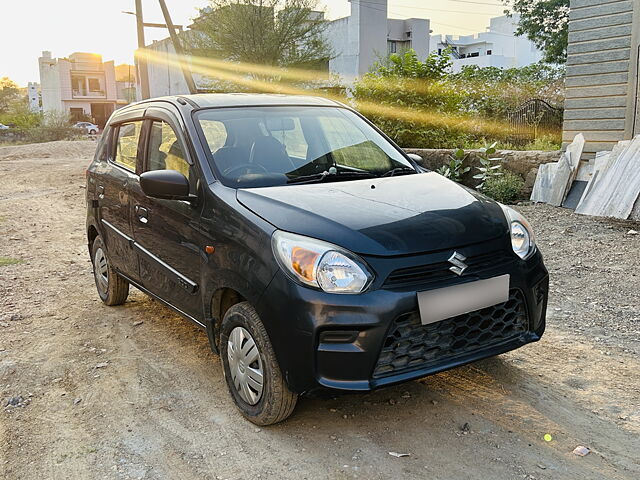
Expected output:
(457, 260)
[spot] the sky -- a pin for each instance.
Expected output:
(67, 26)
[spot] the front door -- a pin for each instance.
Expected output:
(168, 241)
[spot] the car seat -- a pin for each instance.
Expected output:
(270, 154)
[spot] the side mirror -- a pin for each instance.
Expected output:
(167, 184)
(416, 158)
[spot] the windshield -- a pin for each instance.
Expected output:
(267, 146)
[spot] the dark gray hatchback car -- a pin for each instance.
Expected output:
(313, 250)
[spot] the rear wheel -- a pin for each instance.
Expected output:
(112, 288)
(251, 369)
(92, 132)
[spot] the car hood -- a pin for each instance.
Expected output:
(382, 216)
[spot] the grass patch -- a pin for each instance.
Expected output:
(4, 261)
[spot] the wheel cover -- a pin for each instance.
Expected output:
(245, 364)
(101, 271)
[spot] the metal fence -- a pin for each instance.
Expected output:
(534, 118)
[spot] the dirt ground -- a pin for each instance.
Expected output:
(89, 391)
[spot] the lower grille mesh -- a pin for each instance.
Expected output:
(411, 346)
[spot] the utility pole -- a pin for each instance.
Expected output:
(141, 59)
(186, 71)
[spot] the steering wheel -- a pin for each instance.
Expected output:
(248, 167)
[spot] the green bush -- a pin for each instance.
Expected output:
(54, 126)
(506, 188)
(493, 92)
(545, 142)
(421, 104)
(46, 133)
(455, 169)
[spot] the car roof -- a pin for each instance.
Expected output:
(212, 100)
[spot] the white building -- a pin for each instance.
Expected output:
(33, 93)
(497, 47)
(368, 35)
(81, 85)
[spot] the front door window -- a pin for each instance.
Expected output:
(165, 151)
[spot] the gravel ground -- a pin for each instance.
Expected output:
(88, 391)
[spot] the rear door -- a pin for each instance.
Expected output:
(168, 241)
(113, 181)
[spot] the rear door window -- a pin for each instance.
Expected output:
(127, 145)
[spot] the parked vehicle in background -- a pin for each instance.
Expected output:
(4, 127)
(312, 249)
(90, 128)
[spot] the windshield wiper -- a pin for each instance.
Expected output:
(320, 177)
(395, 171)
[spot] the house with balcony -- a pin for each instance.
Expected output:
(497, 47)
(81, 85)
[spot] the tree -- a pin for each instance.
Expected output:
(545, 23)
(9, 93)
(282, 33)
(408, 65)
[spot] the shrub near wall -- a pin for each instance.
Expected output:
(39, 128)
(521, 162)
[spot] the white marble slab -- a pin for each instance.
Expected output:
(544, 179)
(615, 186)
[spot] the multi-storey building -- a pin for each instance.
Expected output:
(81, 85)
(497, 47)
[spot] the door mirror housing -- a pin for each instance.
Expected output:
(416, 158)
(166, 184)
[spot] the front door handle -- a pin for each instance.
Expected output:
(100, 190)
(142, 213)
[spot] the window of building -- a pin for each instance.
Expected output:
(165, 151)
(127, 145)
(94, 85)
(408, 34)
(78, 86)
(76, 114)
(488, 52)
(398, 46)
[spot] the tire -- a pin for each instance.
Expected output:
(275, 402)
(92, 132)
(115, 289)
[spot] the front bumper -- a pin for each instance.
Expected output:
(336, 341)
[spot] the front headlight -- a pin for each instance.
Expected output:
(320, 264)
(522, 239)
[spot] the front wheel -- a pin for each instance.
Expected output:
(112, 288)
(251, 370)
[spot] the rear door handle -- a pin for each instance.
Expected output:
(142, 213)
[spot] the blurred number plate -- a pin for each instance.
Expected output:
(436, 305)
